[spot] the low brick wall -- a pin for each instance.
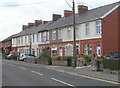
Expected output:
(42, 61)
(31, 60)
(59, 63)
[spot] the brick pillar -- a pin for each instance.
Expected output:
(57, 51)
(63, 51)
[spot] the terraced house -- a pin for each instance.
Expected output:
(97, 32)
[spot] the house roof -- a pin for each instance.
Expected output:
(34, 29)
(89, 15)
(8, 39)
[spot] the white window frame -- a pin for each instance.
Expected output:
(59, 33)
(54, 35)
(69, 33)
(87, 28)
(98, 27)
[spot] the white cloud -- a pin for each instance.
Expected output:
(12, 18)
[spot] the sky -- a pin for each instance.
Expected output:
(15, 13)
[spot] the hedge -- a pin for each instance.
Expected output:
(61, 57)
(111, 64)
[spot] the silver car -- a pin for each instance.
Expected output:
(24, 57)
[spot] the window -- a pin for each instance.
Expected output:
(98, 50)
(37, 39)
(77, 32)
(25, 39)
(54, 35)
(47, 36)
(69, 33)
(98, 27)
(59, 34)
(33, 38)
(68, 50)
(88, 49)
(54, 51)
(21, 40)
(43, 36)
(87, 29)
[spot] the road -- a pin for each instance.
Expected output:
(17, 73)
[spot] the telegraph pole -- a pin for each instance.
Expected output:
(30, 43)
(74, 35)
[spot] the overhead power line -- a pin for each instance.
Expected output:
(68, 4)
(22, 4)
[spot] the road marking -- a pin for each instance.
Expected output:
(12, 65)
(23, 68)
(85, 76)
(37, 73)
(62, 82)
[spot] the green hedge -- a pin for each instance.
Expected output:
(112, 64)
(61, 57)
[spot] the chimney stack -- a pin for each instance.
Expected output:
(82, 8)
(30, 25)
(44, 22)
(24, 27)
(56, 17)
(68, 13)
(37, 22)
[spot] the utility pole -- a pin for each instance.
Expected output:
(30, 43)
(74, 35)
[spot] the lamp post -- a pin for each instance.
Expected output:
(74, 35)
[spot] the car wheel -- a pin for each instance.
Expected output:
(24, 59)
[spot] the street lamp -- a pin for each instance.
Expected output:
(74, 35)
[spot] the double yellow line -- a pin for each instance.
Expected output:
(89, 77)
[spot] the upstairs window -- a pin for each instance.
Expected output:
(98, 27)
(37, 37)
(33, 38)
(59, 34)
(69, 33)
(77, 32)
(87, 29)
(54, 35)
(47, 36)
(43, 36)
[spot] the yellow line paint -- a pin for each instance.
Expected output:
(84, 76)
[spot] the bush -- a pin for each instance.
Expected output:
(86, 57)
(111, 64)
(45, 54)
(61, 57)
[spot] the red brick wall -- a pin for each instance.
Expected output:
(110, 32)
(92, 42)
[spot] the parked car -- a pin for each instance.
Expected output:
(3, 55)
(114, 55)
(23, 57)
(10, 56)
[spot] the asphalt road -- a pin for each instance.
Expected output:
(17, 73)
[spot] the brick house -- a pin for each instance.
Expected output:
(97, 32)
(6, 45)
